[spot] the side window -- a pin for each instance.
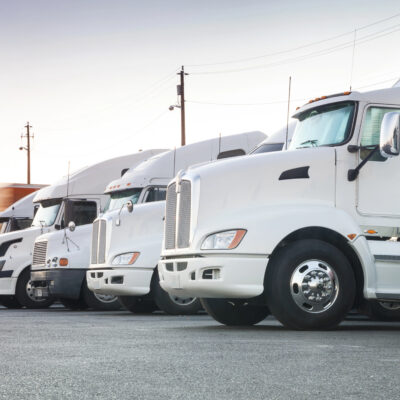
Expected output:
(371, 130)
(84, 212)
(22, 223)
(231, 153)
(155, 194)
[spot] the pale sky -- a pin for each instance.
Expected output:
(95, 78)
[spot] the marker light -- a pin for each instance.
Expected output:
(125, 259)
(223, 240)
(351, 236)
(63, 262)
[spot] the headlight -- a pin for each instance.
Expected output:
(125, 259)
(223, 240)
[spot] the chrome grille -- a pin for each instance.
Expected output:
(101, 255)
(95, 241)
(185, 200)
(39, 253)
(99, 242)
(170, 217)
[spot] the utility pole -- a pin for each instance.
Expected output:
(28, 149)
(181, 92)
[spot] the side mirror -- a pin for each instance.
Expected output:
(71, 226)
(129, 206)
(68, 211)
(389, 142)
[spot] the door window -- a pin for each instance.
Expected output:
(84, 212)
(371, 130)
(155, 194)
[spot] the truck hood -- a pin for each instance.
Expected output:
(248, 183)
(26, 234)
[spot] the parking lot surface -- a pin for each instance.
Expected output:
(60, 354)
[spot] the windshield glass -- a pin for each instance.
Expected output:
(323, 126)
(47, 213)
(3, 224)
(118, 199)
(268, 148)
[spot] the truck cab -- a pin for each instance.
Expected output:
(127, 238)
(61, 256)
(19, 215)
(304, 234)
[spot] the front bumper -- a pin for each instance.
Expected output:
(63, 283)
(214, 276)
(123, 281)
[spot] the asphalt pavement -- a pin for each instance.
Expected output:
(61, 354)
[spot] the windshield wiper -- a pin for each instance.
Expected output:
(313, 143)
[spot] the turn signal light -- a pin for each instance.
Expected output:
(63, 262)
(351, 236)
(371, 231)
(237, 239)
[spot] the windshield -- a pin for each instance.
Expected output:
(268, 148)
(324, 126)
(47, 213)
(3, 224)
(118, 199)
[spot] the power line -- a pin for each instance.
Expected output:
(295, 48)
(313, 54)
(242, 104)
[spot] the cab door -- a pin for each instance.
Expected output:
(378, 184)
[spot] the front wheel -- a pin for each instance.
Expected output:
(382, 310)
(310, 285)
(235, 312)
(10, 302)
(138, 305)
(25, 294)
(174, 305)
(100, 302)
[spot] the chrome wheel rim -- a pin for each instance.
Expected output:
(314, 286)
(390, 305)
(105, 298)
(182, 301)
(31, 293)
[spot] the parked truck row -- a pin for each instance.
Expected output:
(305, 228)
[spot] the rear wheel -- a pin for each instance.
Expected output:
(382, 310)
(25, 295)
(74, 304)
(138, 305)
(310, 285)
(174, 305)
(100, 302)
(235, 312)
(10, 302)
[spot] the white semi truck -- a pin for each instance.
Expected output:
(61, 256)
(127, 239)
(304, 234)
(19, 215)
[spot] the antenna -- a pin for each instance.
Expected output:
(68, 178)
(352, 57)
(288, 111)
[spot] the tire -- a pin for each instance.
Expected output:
(174, 305)
(24, 293)
(10, 302)
(74, 304)
(138, 305)
(310, 285)
(234, 312)
(99, 302)
(381, 310)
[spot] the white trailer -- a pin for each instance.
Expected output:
(83, 190)
(19, 215)
(304, 234)
(127, 239)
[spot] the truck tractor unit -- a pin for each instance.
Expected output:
(61, 256)
(19, 215)
(127, 239)
(304, 234)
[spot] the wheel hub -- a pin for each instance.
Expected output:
(31, 293)
(314, 286)
(182, 301)
(105, 298)
(391, 306)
